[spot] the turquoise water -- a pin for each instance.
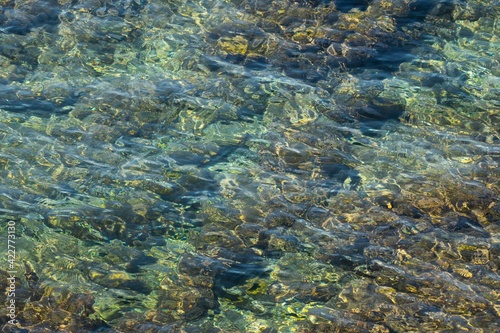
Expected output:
(251, 166)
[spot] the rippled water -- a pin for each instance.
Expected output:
(251, 166)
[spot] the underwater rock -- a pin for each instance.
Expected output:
(24, 101)
(466, 225)
(193, 265)
(280, 219)
(22, 19)
(324, 319)
(118, 280)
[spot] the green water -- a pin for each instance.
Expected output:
(250, 166)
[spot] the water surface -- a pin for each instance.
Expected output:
(251, 166)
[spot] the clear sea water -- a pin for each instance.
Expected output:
(250, 165)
